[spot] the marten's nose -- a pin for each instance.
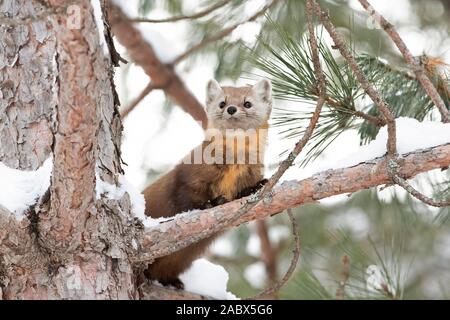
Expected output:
(231, 110)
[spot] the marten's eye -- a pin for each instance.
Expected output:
(222, 105)
(247, 104)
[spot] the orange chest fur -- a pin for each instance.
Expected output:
(235, 178)
(241, 172)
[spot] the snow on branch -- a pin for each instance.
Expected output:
(20, 189)
(190, 227)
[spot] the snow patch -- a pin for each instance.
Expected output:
(222, 247)
(276, 235)
(377, 281)
(98, 16)
(113, 192)
(206, 278)
(253, 246)
(19, 189)
(411, 135)
(255, 274)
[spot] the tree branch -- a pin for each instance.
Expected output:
(185, 17)
(162, 75)
(411, 60)
(190, 227)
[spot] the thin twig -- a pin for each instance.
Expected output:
(414, 63)
(369, 89)
(376, 121)
(184, 17)
(278, 285)
(393, 168)
(223, 33)
(340, 292)
(137, 100)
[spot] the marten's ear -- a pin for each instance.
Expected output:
(213, 90)
(263, 90)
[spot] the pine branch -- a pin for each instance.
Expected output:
(291, 71)
(402, 91)
(370, 90)
(188, 228)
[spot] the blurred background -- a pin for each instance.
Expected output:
(377, 243)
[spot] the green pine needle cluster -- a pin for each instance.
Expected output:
(291, 70)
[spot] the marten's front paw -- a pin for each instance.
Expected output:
(213, 203)
(263, 182)
(174, 283)
(250, 190)
(219, 201)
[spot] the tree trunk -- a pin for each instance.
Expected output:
(57, 99)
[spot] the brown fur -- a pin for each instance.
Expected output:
(191, 186)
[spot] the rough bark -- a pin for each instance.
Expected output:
(58, 99)
(195, 225)
(163, 75)
(27, 66)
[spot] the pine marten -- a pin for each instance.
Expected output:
(233, 113)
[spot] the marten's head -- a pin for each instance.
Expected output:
(245, 108)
